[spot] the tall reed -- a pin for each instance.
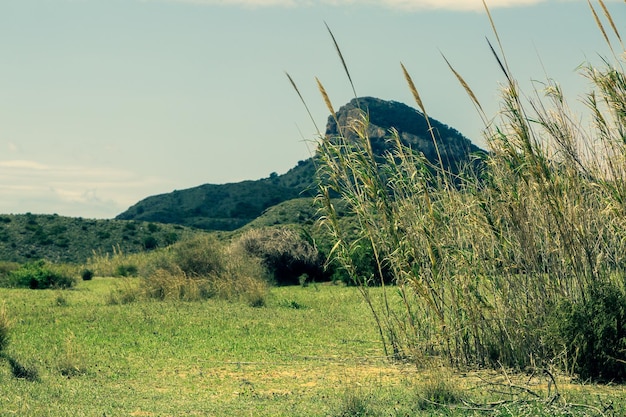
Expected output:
(482, 259)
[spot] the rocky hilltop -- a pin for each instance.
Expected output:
(231, 206)
(412, 128)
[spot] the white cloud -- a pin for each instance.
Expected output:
(21, 164)
(29, 186)
(475, 5)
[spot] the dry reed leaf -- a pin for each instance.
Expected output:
(329, 105)
(295, 87)
(610, 18)
(467, 88)
(599, 23)
(343, 62)
(416, 95)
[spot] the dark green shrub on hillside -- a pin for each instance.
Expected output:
(593, 334)
(285, 253)
(86, 274)
(39, 275)
(126, 270)
(150, 242)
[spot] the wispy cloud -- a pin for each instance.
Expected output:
(30, 186)
(391, 4)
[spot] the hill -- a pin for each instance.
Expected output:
(225, 206)
(27, 237)
(231, 206)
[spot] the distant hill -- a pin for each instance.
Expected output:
(226, 206)
(231, 206)
(28, 237)
(455, 149)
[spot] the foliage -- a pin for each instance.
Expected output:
(199, 257)
(126, 270)
(287, 254)
(121, 264)
(225, 206)
(203, 268)
(40, 275)
(86, 274)
(71, 362)
(29, 237)
(481, 257)
(593, 334)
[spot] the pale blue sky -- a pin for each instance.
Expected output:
(105, 102)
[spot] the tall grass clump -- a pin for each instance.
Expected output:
(202, 268)
(483, 260)
(120, 264)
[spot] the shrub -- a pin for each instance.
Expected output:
(285, 253)
(199, 257)
(124, 293)
(86, 274)
(126, 270)
(60, 300)
(5, 271)
(171, 284)
(593, 334)
(150, 243)
(40, 275)
(202, 268)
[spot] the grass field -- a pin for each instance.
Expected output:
(311, 351)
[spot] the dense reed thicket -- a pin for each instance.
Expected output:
(487, 263)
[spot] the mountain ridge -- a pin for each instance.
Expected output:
(233, 205)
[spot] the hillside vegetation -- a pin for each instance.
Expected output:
(28, 237)
(518, 261)
(231, 206)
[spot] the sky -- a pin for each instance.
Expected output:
(106, 102)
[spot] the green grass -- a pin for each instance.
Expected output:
(219, 358)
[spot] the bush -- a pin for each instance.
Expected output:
(199, 257)
(86, 274)
(150, 243)
(40, 275)
(592, 333)
(202, 268)
(5, 271)
(126, 270)
(285, 253)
